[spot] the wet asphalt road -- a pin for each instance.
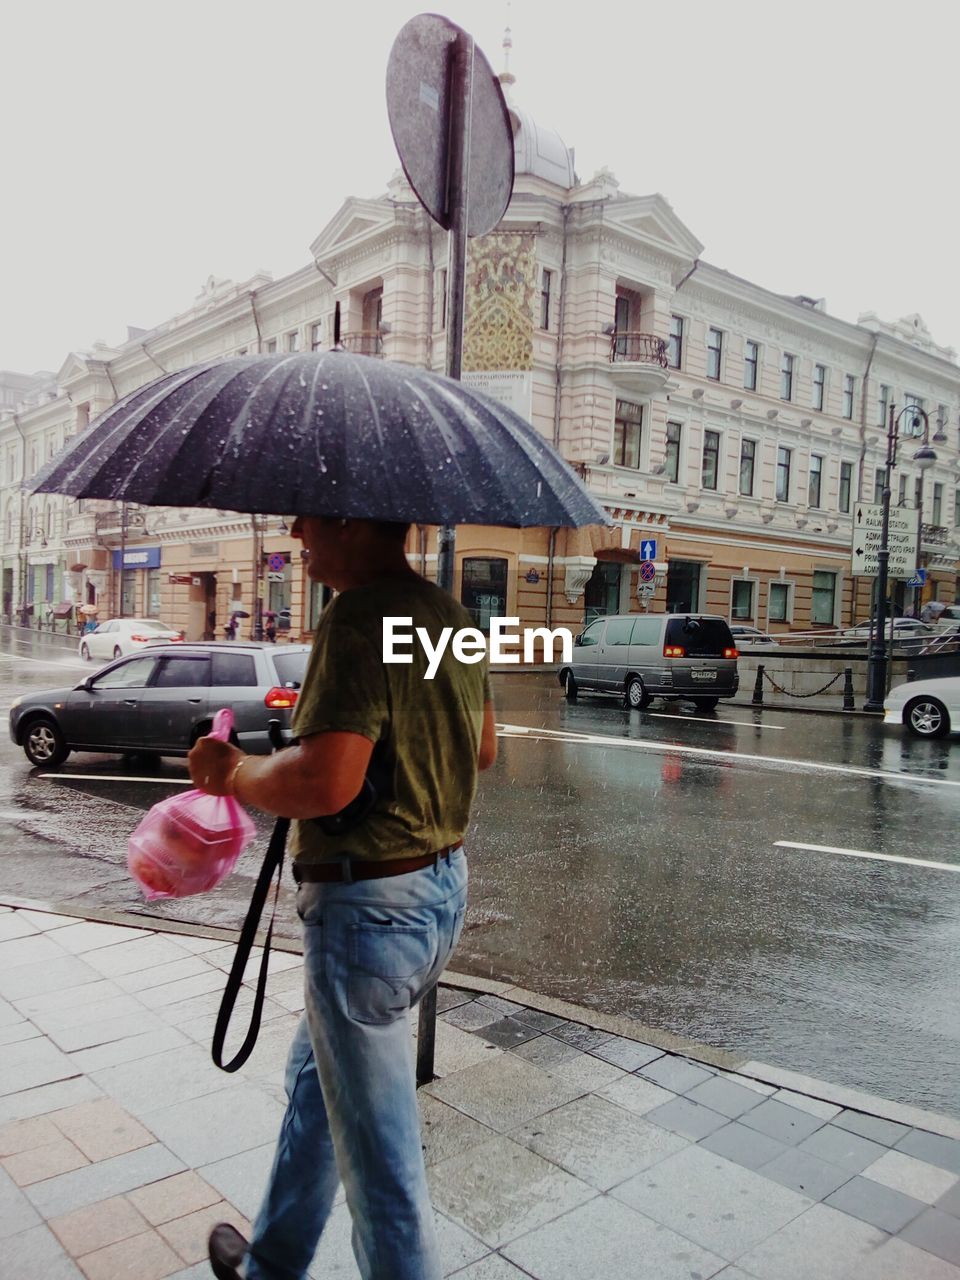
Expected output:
(629, 861)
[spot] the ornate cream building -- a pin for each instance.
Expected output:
(729, 431)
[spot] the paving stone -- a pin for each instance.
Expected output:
(506, 1008)
(142, 1257)
(806, 1173)
(43, 1162)
(135, 956)
(597, 1142)
(45, 920)
(676, 1074)
(188, 1235)
(16, 1032)
(541, 1021)
(501, 1190)
(843, 1148)
(748, 1082)
(31, 1063)
(950, 1202)
(242, 1178)
(115, 1052)
(508, 1032)
(13, 924)
(450, 997)
(492, 1267)
(471, 1017)
(69, 1005)
(458, 1050)
(334, 1258)
(203, 1130)
(176, 992)
(937, 1232)
(586, 1038)
(718, 1204)
(173, 1197)
(35, 950)
(821, 1243)
(504, 1093)
(897, 1260)
(100, 1181)
(38, 1252)
(596, 1238)
(729, 1099)
(636, 1094)
(687, 1118)
(24, 1135)
(744, 1146)
(159, 975)
(88, 935)
(944, 1152)
(161, 1080)
(446, 1132)
(912, 1177)
(17, 1214)
(629, 1055)
(874, 1203)
(46, 1098)
(101, 1129)
(543, 1051)
(812, 1106)
(63, 974)
(887, 1132)
(787, 1124)
(97, 1225)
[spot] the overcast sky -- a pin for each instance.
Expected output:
(811, 147)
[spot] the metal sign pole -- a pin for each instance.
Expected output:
(461, 98)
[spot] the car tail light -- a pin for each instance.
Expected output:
(277, 697)
(674, 651)
(137, 639)
(731, 653)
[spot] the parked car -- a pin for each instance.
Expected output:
(948, 619)
(643, 656)
(743, 635)
(926, 708)
(160, 700)
(909, 634)
(119, 636)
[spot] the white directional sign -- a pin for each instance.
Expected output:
(901, 540)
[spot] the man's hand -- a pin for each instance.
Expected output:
(211, 763)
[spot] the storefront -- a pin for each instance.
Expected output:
(137, 578)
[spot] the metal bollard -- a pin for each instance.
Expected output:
(426, 1036)
(757, 699)
(848, 704)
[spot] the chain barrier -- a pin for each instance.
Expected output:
(788, 694)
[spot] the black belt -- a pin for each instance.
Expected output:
(348, 869)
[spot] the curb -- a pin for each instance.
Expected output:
(766, 1073)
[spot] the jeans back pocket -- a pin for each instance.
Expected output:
(388, 965)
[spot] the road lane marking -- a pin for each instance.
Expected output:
(748, 724)
(663, 748)
(113, 777)
(861, 853)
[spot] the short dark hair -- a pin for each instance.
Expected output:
(393, 530)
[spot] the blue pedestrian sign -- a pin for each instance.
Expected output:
(648, 549)
(919, 579)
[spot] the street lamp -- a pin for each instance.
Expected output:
(925, 457)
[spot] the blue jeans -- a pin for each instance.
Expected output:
(371, 949)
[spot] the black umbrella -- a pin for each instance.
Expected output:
(323, 434)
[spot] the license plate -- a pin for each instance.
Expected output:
(703, 675)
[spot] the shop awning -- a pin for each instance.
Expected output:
(63, 610)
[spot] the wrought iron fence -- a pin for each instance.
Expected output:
(363, 343)
(638, 348)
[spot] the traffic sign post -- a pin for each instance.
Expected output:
(902, 527)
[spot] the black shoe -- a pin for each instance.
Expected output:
(227, 1250)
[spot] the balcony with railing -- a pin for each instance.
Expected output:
(933, 535)
(363, 342)
(638, 362)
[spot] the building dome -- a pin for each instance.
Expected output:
(540, 152)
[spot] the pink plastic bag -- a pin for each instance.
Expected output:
(190, 842)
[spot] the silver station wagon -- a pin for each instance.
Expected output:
(644, 656)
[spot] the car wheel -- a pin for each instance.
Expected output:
(927, 718)
(44, 744)
(705, 704)
(637, 696)
(117, 651)
(85, 652)
(569, 687)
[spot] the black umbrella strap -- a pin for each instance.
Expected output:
(272, 862)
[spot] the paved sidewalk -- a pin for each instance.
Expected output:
(559, 1145)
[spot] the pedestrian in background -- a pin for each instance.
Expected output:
(382, 902)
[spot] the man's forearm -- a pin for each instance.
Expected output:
(284, 784)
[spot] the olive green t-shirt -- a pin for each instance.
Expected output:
(428, 731)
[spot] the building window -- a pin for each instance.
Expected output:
(778, 609)
(956, 508)
(546, 284)
(937, 512)
(741, 599)
(748, 460)
(848, 388)
(153, 593)
(271, 346)
(714, 353)
(846, 483)
(316, 336)
(912, 424)
(627, 426)
(822, 608)
(671, 458)
(879, 482)
(442, 300)
(786, 376)
(902, 494)
(751, 362)
(483, 590)
(819, 385)
(621, 323)
(675, 342)
(815, 480)
(918, 494)
(711, 459)
(293, 340)
(784, 458)
(883, 404)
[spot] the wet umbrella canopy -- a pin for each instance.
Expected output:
(323, 434)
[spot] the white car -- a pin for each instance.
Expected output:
(928, 708)
(749, 635)
(117, 637)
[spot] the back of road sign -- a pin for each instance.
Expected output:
(419, 105)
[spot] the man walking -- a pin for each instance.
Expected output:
(382, 898)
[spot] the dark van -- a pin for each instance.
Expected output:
(644, 656)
